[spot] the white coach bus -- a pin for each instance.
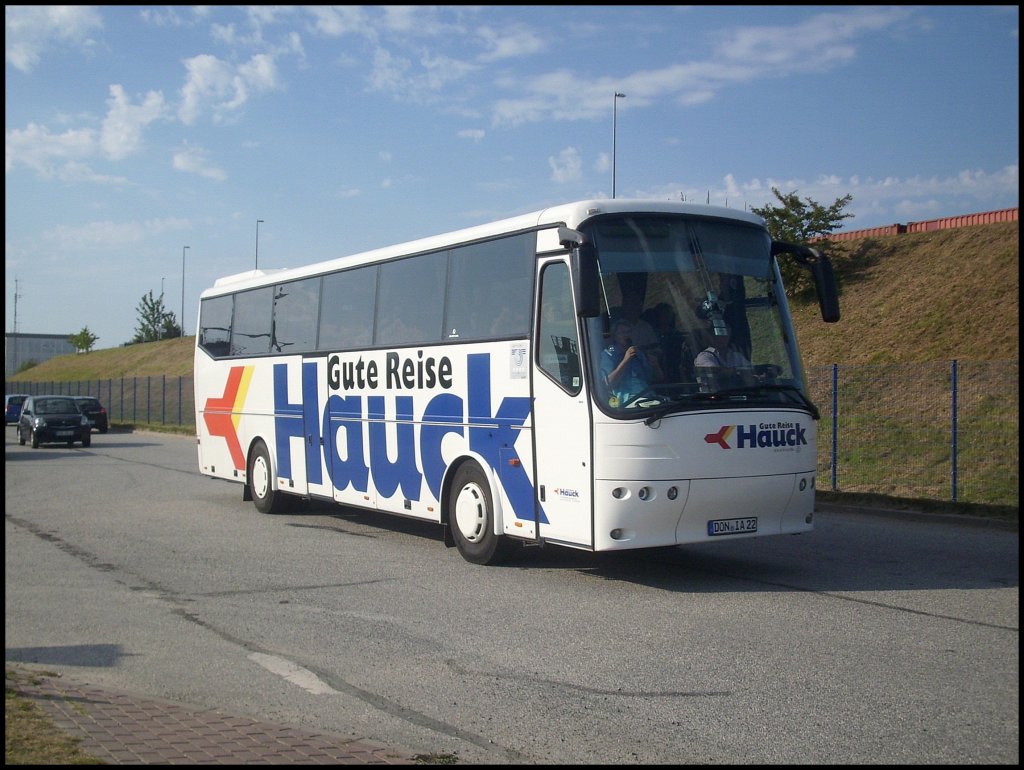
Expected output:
(601, 375)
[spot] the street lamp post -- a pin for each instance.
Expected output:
(615, 104)
(258, 221)
(183, 290)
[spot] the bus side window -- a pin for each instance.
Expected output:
(558, 348)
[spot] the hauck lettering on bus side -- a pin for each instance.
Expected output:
(785, 435)
(413, 454)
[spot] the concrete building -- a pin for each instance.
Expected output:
(20, 348)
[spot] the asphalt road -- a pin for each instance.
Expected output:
(871, 640)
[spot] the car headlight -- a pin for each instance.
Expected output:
(85, 420)
(39, 422)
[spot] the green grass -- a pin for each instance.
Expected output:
(30, 737)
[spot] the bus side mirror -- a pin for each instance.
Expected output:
(825, 285)
(822, 272)
(586, 281)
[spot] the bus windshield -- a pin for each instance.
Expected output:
(693, 316)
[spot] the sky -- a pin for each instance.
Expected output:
(157, 148)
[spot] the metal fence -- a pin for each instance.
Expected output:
(933, 431)
(159, 400)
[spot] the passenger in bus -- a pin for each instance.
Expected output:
(628, 372)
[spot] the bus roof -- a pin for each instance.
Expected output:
(570, 215)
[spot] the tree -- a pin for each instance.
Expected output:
(155, 322)
(801, 221)
(83, 340)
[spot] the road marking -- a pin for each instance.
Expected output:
(294, 673)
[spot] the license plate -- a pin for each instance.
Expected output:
(65, 433)
(732, 526)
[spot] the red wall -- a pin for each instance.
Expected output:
(946, 223)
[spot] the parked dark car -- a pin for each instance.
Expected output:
(51, 420)
(94, 410)
(12, 407)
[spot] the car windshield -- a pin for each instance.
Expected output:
(56, 406)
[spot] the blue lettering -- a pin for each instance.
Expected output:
(340, 428)
(488, 438)
(388, 475)
(744, 435)
(750, 436)
(443, 415)
(344, 416)
(289, 419)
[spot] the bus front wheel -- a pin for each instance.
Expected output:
(261, 482)
(471, 518)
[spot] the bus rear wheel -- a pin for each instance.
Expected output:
(261, 482)
(471, 518)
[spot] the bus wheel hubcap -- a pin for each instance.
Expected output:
(471, 513)
(259, 478)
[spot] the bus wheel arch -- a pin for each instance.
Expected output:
(471, 516)
(260, 476)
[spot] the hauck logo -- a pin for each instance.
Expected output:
(563, 493)
(778, 435)
(222, 414)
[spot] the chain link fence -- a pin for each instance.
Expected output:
(934, 431)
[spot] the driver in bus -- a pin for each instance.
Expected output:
(720, 365)
(627, 370)
(718, 352)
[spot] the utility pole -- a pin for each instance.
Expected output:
(615, 104)
(14, 334)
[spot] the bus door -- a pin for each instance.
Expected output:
(561, 415)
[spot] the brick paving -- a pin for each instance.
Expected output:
(122, 729)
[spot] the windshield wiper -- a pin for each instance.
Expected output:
(732, 393)
(800, 396)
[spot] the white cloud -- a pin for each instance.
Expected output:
(39, 149)
(567, 166)
(223, 88)
(32, 30)
(106, 234)
(193, 160)
(903, 200)
(121, 135)
(507, 43)
(743, 55)
(476, 134)
(335, 20)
